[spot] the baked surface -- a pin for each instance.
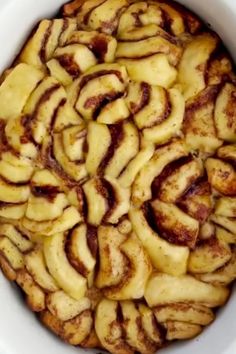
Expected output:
(117, 174)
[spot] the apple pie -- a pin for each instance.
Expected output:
(118, 174)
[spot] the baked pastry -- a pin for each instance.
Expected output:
(117, 174)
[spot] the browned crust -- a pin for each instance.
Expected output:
(6, 268)
(71, 8)
(201, 188)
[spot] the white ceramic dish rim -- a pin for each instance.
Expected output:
(19, 331)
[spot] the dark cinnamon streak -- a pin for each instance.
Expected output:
(214, 244)
(110, 197)
(162, 117)
(179, 236)
(167, 171)
(192, 22)
(44, 98)
(87, 15)
(137, 20)
(99, 47)
(93, 76)
(230, 111)
(117, 135)
(73, 257)
(47, 191)
(82, 203)
(105, 189)
(204, 98)
(92, 240)
(49, 161)
(100, 101)
(4, 145)
(212, 70)
(161, 33)
(64, 27)
(202, 207)
(71, 8)
(68, 63)
(110, 26)
(144, 56)
(128, 272)
(3, 139)
(98, 74)
(145, 98)
(42, 52)
(201, 187)
(167, 21)
(7, 205)
(26, 123)
(56, 111)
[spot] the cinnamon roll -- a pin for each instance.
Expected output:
(117, 174)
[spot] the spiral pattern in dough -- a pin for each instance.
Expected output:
(117, 174)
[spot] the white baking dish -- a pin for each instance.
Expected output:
(20, 333)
